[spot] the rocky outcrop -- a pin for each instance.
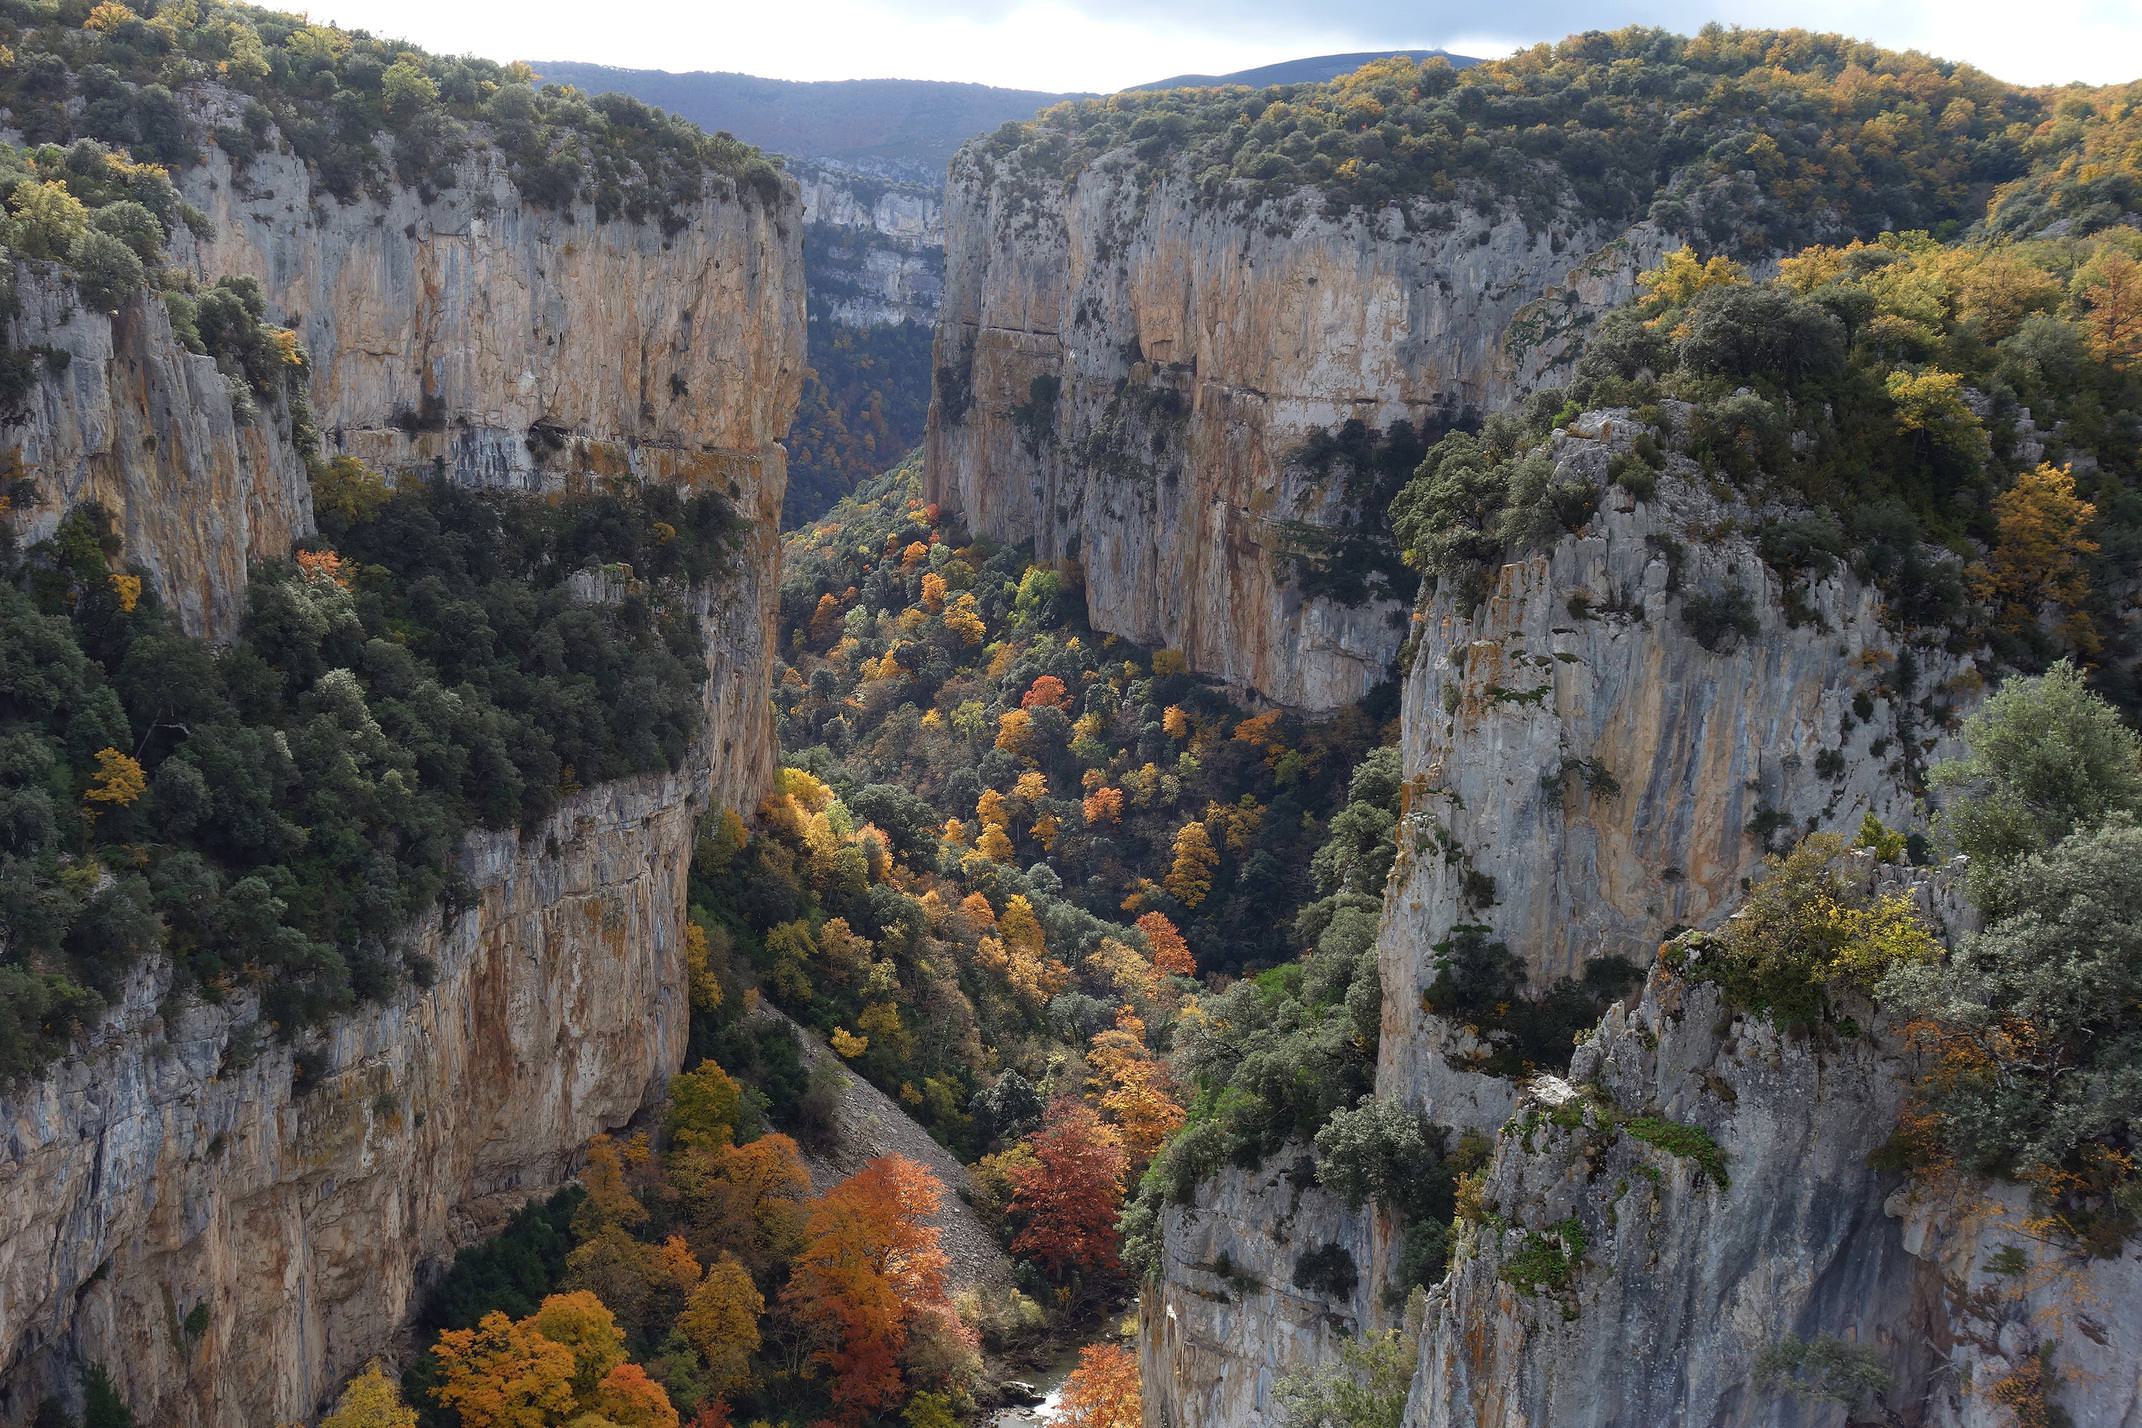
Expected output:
(230, 1224)
(1584, 774)
(875, 249)
(1686, 1281)
(120, 414)
(1247, 1290)
(1127, 375)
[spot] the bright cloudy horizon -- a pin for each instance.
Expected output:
(1103, 45)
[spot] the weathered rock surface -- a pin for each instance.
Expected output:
(875, 248)
(172, 1204)
(124, 416)
(1683, 1284)
(1229, 1312)
(1126, 374)
(509, 345)
(177, 1205)
(1584, 776)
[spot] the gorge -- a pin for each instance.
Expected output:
(1482, 773)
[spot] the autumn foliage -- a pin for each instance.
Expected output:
(870, 1268)
(1102, 1391)
(1067, 1199)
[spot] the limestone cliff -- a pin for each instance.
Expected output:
(231, 1224)
(1584, 775)
(875, 247)
(1686, 1280)
(1127, 374)
(122, 415)
(1237, 1301)
(510, 345)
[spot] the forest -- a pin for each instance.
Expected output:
(1744, 141)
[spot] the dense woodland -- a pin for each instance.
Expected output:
(866, 394)
(1743, 141)
(277, 814)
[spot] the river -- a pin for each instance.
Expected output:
(1050, 1385)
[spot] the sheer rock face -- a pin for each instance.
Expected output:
(172, 1203)
(1127, 374)
(123, 416)
(877, 246)
(1584, 775)
(1233, 1307)
(510, 345)
(1684, 1284)
(230, 1245)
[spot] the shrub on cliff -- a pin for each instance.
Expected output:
(1956, 423)
(2046, 757)
(1805, 936)
(2032, 1034)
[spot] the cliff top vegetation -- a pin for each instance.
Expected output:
(1955, 422)
(362, 112)
(1744, 141)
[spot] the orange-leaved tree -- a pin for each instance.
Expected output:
(1170, 953)
(1102, 1391)
(870, 1262)
(561, 1363)
(1190, 873)
(1067, 1199)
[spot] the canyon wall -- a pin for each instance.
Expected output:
(122, 415)
(1127, 374)
(232, 1224)
(1583, 777)
(509, 345)
(876, 247)
(1234, 1302)
(1684, 1284)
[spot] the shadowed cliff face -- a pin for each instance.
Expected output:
(1128, 377)
(232, 1224)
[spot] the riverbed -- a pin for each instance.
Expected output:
(1050, 1385)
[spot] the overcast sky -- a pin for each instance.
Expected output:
(1108, 44)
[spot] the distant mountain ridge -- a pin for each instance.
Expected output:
(895, 128)
(1314, 69)
(900, 128)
